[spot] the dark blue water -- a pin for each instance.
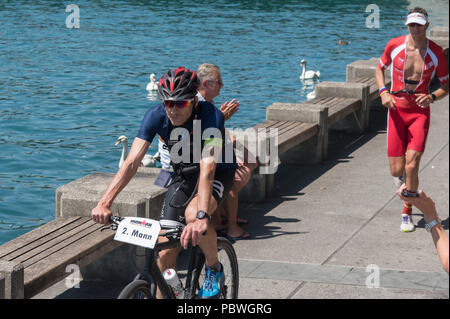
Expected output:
(67, 94)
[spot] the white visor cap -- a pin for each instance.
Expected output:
(416, 17)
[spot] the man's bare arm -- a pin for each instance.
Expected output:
(386, 99)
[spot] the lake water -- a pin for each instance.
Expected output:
(67, 94)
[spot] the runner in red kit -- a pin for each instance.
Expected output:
(413, 60)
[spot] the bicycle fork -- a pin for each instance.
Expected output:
(189, 290)
(152, 274)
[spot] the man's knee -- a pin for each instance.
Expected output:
(231, 195)
(168, 258)
(411, 168)
(412, 163)
(397, 166)
(397, 170)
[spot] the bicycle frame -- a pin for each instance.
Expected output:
(152, 274)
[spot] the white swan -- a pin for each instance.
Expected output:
(147, 161)
(152, 86)
(308, 74)
(311, 95)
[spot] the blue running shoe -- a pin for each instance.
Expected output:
(213, 283)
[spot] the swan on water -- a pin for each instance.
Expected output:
(311, 95)
(308, 74)
(151, 96)
(152, 86)
(310, 84)
(147, 161)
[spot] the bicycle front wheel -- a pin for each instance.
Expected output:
(227, 257)
(137, 289)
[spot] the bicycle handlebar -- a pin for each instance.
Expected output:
(115, 221)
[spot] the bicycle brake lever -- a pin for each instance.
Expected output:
(112, 227)
(105, 228)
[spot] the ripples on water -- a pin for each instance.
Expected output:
(67, 94)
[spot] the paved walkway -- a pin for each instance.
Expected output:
(332, 227)
(329, 222)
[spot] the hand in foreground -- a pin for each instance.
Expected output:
(423, 100)
(229, 108)
(388, 101)
(101, 214)
(424, 203)
(192, 232)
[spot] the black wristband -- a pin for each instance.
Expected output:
(433, 97)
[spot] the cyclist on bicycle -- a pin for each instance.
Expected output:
(188, 199)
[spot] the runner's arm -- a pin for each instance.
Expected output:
(101, 212)
(425, 100)
(441, 92)
(442, 75)
(386, 99)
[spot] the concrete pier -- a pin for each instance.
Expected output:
(140, 198)
(330, 226)
(11, 279)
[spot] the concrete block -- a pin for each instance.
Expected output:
(139, 198)
(363, 69)
(249, 149)
(13, 279)
(439, 32)
(341, 89)
(270, 185)
(349, 90)
(121, 265)
(320, 151)
(295, 112)
(305, 113)
(312, 151)
(2, 286)
(441, 41)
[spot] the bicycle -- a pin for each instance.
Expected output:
(145, 283)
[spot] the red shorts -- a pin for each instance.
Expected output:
(407, 128)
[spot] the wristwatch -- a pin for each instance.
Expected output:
(433, 97)
(430, 225)
(202, 215)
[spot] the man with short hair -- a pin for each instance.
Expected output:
(191, 198)
(414, 60)
(210, 86)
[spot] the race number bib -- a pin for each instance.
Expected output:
(138, 231)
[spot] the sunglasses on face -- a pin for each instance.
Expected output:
(220, 83)
(179, 104)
